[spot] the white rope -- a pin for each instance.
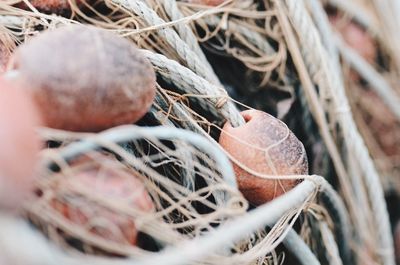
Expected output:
(319, 66)
(21, 245)
(335, 205)
(131, 132)
(376, 81)
(11, 21)
(186, 252)
(292, 240)
(255, 38)
(322, 22)
(182, 49)
(188, 81)
(184, 31)
(192, 83)
(332, 252)
(359, 14)
(300, 249)
(389, 28)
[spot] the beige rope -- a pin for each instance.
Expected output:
(192, 83)
(184, 51)
(324, 74)
(184, 30)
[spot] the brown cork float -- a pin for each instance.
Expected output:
(265, 145)
(111, 184)
(50, 6)
(85, 79)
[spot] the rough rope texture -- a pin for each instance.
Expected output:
(300, 249)
(319, 66)
(183, 50)
(389, 28)
(322, 22)
(377, 82)
(197, 85)
(183, 253)
(11, 21)
(184, 30)
(358, 13)
(186, 79)
(332, 252)
(338, 213)
(255, 38)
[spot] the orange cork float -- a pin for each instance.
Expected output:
(50, 6)
(105, 83)
(265, 145)
(113, 185)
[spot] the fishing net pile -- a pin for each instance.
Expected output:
(163, 191)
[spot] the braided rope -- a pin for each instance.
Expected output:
(192, 83)
(322, 72)
(358, 13)
(190, 250)
(255, 38)
(337, 210)
(332, 201)
(332, 252)
(182, 49)
(184, 31)
(376, 81)
(389, 27)
(185, 118)
(188, 81)
(300, 249)
(11, 21)
(183, 147)
(326, 32)
(322, 22)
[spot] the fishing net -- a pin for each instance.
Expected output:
(191, 190)
(283, 57)
(191, 184)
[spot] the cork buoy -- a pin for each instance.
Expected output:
(85, 79)
(265, 145)
(114, 185)
(50, 6)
